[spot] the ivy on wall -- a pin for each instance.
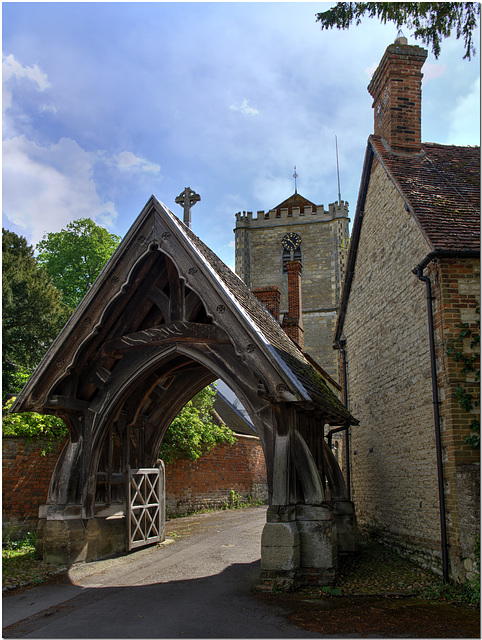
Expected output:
(471, 366)
(33, 425)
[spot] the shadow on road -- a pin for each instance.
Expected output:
(217, 606)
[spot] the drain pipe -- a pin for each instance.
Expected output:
(340, 345)
(418, 271)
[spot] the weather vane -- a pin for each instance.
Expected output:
(295, 175)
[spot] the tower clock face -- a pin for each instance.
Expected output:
(291, 241)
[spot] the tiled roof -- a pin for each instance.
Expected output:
(442, 188)
(294, 201)
(231, 417)
(281, 345)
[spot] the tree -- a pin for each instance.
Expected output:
(75, 256)
(432, 21)
(193, 433)
(33, 311)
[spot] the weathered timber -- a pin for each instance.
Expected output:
(165, 318)
(179, 331)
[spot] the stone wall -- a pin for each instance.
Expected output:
(208, 481)
(394, 469)
(324, 242)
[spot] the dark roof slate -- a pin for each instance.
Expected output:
(296, 200)
(442, 187)
(231, 417)
(281, 345)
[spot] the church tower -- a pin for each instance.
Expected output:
(298, 230)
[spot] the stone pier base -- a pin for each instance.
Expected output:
(79, 540)
(345, 523)
(299, 546)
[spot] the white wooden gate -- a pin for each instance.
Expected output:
(145, 499)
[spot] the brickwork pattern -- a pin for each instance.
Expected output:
(456, 290)
(270, 297)
(208, 481)
(293, 320)
(396, 88)
(190, 485)
(26, 477)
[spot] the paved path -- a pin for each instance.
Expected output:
(199, 586)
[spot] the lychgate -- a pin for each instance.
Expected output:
(165, 318)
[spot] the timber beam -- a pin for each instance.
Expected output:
(178, 331)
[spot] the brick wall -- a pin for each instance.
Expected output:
(396, 88)
(208, 481)
(456, 289)
(26, 477)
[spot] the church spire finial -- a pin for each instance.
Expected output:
(295, 175)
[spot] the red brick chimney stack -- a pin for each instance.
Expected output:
(270, 297)
(396, 88)
(293, 320)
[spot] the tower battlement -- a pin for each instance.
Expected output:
(283, 215)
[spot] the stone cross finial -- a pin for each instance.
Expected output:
(187, 199)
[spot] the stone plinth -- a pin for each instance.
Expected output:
(78, 540)
(299, 546)
(345, 524)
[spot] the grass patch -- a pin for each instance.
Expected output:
(20, 564)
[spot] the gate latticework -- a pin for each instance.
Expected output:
(145, 507)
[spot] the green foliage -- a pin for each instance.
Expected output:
(471, 365)
(32, 311)
(32, 425)
(430, 21)
(26, 544)
(331, 591)
(75, 256)
(467, 593)
(193, 433)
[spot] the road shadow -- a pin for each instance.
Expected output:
(216, 606)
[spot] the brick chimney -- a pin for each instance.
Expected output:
(293, 320)
(270, 297)
(396, 88)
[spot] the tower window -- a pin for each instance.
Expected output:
(287, 257)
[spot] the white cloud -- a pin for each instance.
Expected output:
(465, 118)
(244, 108)
(127, 161)
(11, 68)
(48, 108)
(371, 70)
(432, 71)
(231, 244)
(44, 188)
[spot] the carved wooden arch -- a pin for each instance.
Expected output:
(168, 326)
(154, 335)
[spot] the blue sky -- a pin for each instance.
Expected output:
(105, 104)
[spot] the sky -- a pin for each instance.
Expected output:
(107, 103)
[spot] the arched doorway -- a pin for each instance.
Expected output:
(165, 318)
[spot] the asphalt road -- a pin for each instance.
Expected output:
(198, 586)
